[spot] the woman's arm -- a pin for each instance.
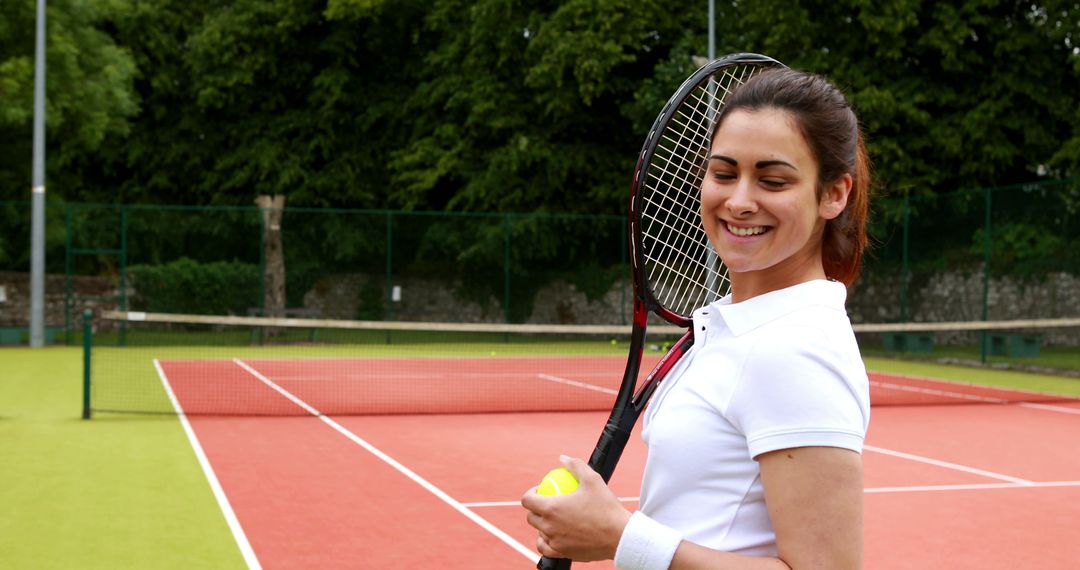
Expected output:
(814, 497)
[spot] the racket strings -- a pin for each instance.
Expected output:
(682, 269)
(678, 274)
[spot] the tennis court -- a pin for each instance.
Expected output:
(957, 475)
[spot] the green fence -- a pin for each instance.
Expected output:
(997, 253)
(354, 262)
(983, 254)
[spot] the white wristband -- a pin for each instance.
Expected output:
(646, 544)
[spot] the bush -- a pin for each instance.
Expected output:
(187, 286)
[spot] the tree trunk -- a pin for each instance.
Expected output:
(273, 257)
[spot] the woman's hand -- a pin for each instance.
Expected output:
(583, 525)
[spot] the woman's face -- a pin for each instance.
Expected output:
(759, 204)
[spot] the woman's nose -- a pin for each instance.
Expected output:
(741, 202)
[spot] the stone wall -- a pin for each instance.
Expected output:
(15, 309)
(958, 296)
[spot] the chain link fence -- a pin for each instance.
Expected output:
(983, 254)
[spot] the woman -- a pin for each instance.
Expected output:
(754, 440)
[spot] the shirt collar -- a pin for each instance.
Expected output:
(752, 313)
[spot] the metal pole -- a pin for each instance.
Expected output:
(710, 254)
(37, 229)
(506, 267)
(987, 254)
(904, 267)
(712, 30)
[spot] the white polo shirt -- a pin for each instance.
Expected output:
(777, 371)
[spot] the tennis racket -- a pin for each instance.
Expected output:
(675, 269)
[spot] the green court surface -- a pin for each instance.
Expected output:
(126, 491)
(114, 492)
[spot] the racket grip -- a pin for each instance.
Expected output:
(546, 563)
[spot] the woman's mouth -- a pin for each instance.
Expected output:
(748, 231)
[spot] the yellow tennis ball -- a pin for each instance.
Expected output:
(558, 482)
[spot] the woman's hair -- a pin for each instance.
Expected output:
(831, 130)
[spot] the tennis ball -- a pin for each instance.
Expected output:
(558, 482)
(614, 342)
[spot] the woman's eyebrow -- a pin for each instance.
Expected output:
(761, 164)
(726, 159)
(767, 163)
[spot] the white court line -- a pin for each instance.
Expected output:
(868, 490)
(1050, 408)
(936, 392)
(575, 383)
(947, 465)
(442, 495)
(215, 485)
(368, 377)
(972, 487)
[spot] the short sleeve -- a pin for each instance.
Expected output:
(801, 387)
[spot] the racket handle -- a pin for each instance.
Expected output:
(546, 563)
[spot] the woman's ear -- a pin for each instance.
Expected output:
(834, 198)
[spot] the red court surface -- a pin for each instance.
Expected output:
(988, 486)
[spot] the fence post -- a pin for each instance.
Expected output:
(69, 285)
(904, 267)
(506, 268)
(123, 271)
(987, 226)
(388, 310)
(262, 260)
(624, 240)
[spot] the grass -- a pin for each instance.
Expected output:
(1060, 360)
(122, 492)
(1005, 378)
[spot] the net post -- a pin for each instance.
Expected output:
(88, 317)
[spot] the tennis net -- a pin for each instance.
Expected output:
(222, 365)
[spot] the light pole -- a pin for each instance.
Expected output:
(37, 231)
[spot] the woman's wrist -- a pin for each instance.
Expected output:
(646, 544)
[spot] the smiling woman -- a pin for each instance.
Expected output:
(760, 205)
(793, 131)
(755, 437)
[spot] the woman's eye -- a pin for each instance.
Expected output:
(723, 176)
(772, 183)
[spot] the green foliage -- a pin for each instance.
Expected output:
(222, 287)
(595, 280)
(499, 106)
(1019, 249)
(952, 95)
(371, 301)
(10, 249)
(496, 105)
(521, 108)
(89, 84)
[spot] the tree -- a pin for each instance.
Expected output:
(89, 90)
(952, 94)
(532, 107)
(256, 97)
